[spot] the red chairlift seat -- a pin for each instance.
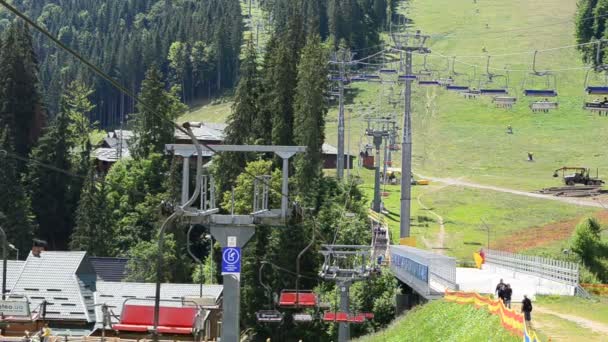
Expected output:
(292, 298)
(369, 315)
(356, 319)
(340, 317)
(172, 320)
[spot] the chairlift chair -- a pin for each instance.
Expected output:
(546, 91)
(455, 86)
(403, 78)
(388, 71)
(598, 105)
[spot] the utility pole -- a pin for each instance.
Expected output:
(408, 43)
(342, 57)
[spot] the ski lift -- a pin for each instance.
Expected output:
(357, 79)
(370, 77)
(547, 91)
(272, 315)
(336, 79)
(455, 87)
(597, 105)
(343, 317)
(428, 83)
(298, 299)
(394, 147)
(485, 88)
(388, 71)
(506, 102)
(403, 78)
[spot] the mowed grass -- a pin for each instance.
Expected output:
(595, 309)
(552, 328)
(443, 321)
(455, 137)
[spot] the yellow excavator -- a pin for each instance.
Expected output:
(578, 175)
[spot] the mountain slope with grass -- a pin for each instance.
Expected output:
(443, 321)
(466, 139)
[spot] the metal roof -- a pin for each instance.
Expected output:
(329, 149)
(109, 269)
(204, 132)
(110, 154)
(13, 270)
(61, 280)
(114, 295)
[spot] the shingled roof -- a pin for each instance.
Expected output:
(66, 280)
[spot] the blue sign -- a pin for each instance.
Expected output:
(231, 260)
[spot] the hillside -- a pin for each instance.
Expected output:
(466, 139)
(443, 321)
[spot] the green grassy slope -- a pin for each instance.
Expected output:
(454, 137)
(443, 321)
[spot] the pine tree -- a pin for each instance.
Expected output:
(92, 232)
(242, 122)
(15, 211)
(20, 107)
(153, 124)
(280, 81)
(50, 191)
(310, 111)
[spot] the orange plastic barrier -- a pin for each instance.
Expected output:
(598, 289)
(511, 320)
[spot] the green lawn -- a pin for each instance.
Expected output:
(552, 328)
(443, 321)
(595, 309)
(464, 209)
(455, 137)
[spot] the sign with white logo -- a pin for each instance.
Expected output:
(14, 308)
(231, 260)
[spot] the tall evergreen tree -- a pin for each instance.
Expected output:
(92, 232)
(242, 122)
(20, 107)
(153, 122)
(310, 111)
(50, 190)
(15, 211)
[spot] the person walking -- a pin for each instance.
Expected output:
(526, 308)
(501, 285)
(508, 292)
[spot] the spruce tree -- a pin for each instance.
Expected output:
(153, 122)
(92, 232)
(242, 122)
(15, 211)
(20, 107)
(280, 82)
(50, 191)
(310, 111)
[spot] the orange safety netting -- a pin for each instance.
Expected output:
(511, 320)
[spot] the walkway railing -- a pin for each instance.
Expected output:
(427, 273)
(556, 270)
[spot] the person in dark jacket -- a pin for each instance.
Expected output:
(508, 291)
(526, 308)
